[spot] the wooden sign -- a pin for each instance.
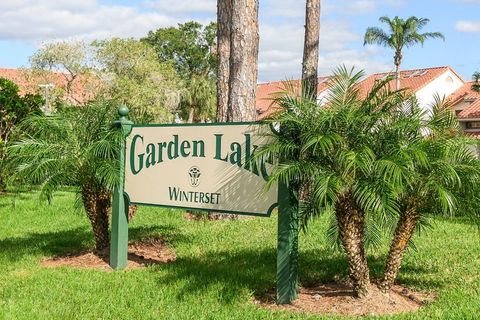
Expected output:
(203, 167)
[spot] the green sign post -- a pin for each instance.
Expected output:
(119, 236)
(209, 167)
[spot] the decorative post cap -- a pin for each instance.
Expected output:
(122, 111)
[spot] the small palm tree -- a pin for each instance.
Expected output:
(199, 99)
(330, 158)
(75, 147)
(442, 173)
(402, 33)
(476, 81)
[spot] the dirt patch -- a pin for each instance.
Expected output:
(338, 299)
(140, 255)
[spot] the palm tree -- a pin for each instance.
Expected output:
(402, 33)
(476, 81)
(75, 147)
(199, 99)
(441, 174)
(332, 152)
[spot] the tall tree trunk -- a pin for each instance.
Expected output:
(403, 234)
(397, 61)
(191, 114)
(351, 227)
(97, 206)
(311, 48)
(243, 61)
(224, 14)
(132, 211)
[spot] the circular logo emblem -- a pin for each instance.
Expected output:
(194, 176)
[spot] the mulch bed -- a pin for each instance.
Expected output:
(338, 299)
(140, 254)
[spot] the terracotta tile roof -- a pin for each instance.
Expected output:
(472, 111)
(266, 93)
(467, 95)
(475, 134)
(412, 80)
(28, 82)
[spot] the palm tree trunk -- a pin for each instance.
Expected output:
(398, 61)
(97, 206)
(224, 15)
(132, 211)
(403, 234)
(351, 227)
(310, 48)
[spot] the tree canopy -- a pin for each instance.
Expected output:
(135, 77)
(190, 47)
(14, 108)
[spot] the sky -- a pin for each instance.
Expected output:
(26, 24)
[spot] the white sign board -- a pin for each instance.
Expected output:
(202, 166)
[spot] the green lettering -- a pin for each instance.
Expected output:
(196, 144)
(173, 192)
(248, 158)
(173, 148)
(218, 148)
(132, 155)
(236, 155)
(254, 163)
(150, 155)
(160, 151)
(184, 147)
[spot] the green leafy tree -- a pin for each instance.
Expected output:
(135, 77)
(190, 47)
(13, 109)
(76, 147)
(69, 66)
(402, 33)
(476, 82)
(125, 70)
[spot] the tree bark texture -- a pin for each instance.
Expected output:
(224, 15)
(132, 211)
(397, 61)
(351, 227)
(311, 48)
(97, 203)
(403, 234)
(243, 61)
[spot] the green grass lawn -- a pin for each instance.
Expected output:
(220, 266)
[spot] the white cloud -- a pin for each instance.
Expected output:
(209, 6)
(281, 27)
(468, 26)
(283, 8)
(32, 20)
(281, 49)
(361, 6)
